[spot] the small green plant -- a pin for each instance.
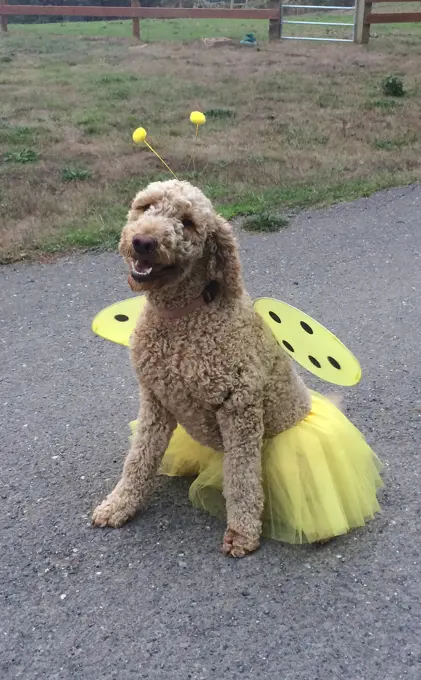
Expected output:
(264, 222)
(6, 59)
(220, 113)
(327, 100)
(301, 138)
(93, 123)
(24, 156)
(118, 93)
(74, 174)
(113, 78)
(392, 86)
(16, 134)
(382, 104)
(384, 144)
(398, 143)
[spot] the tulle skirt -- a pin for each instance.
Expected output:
(320, 477)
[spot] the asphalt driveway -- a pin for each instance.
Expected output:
(156, 599)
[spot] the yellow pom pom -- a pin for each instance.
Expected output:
(197, 118)
(139, 135)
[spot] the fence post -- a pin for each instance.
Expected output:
(135, 21)
(3, 18)
(362, 28)
(275, 24)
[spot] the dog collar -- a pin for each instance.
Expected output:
(206, 297)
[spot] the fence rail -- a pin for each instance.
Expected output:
(273, 14)
(370, 17)
(141, 12)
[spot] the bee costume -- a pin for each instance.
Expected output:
(320, 477)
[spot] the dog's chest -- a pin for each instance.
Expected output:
(181, 372)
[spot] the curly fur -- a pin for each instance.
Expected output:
(217, 371)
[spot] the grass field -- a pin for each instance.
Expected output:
(291, 125)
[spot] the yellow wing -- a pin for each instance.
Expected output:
(309, 343)
(117, 322)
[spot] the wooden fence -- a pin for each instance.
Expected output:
(365, 15)
(272, 14)
(369, 17)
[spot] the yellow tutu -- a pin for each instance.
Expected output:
(320, 477)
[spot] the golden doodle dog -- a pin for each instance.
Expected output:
(206, 362)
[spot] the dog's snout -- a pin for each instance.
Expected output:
(144, 244)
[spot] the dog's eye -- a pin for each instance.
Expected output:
(187, 223)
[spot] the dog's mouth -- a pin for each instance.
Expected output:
(145, 270)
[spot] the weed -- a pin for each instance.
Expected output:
(383, 104)
(93, 123)
(119, 93)
(328, 100)
(117, 78)
(25, 156)
(398, 143)
(392, 86)
(265, 222)
(74, 174)
(16, 134)
(220, 113)
(386, 144)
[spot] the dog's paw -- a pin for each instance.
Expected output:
(112, 512)
(236, 545)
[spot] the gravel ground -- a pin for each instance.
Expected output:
(156, 599)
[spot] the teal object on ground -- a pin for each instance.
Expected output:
(248, 39)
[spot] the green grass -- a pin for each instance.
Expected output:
(294, 125)
(97, 231)
(152, 30)
(187, 30)
(102, 228)
(257, 203)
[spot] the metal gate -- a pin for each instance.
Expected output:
(351, 24)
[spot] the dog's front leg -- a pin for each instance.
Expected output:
(242, 434)
(154, 430)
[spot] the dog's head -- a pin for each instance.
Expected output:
(171, 229)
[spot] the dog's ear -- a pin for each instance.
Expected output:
(224, 262)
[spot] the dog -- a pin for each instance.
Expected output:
(203, 358)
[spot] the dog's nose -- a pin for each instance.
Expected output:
(144, 244)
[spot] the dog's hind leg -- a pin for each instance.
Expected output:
(154, 430)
